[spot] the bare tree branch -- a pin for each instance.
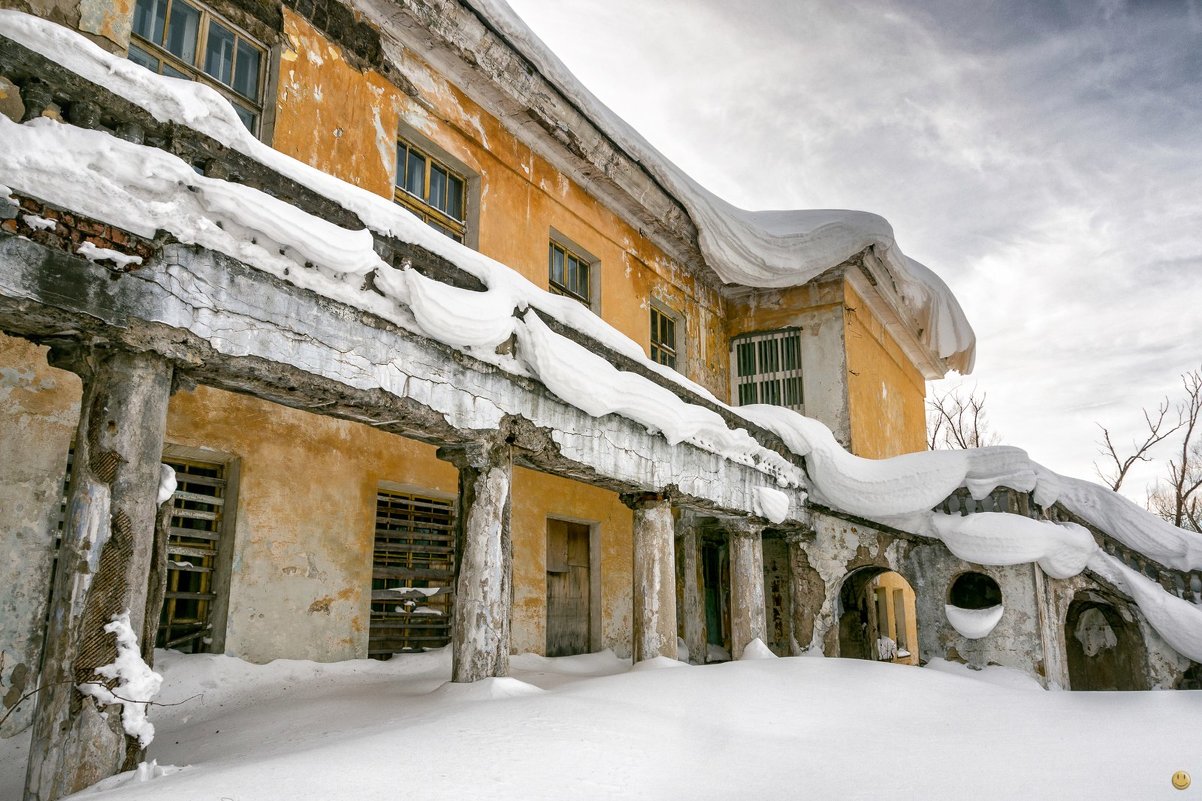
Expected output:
(958, 422)
(1157, 432)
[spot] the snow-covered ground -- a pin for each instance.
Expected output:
(590, 727)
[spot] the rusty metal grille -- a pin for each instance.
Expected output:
(413, 574)
(185, 622)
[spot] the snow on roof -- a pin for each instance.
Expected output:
(763, 248)
(143, 189)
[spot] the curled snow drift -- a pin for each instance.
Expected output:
(764, 248)
(974, 624)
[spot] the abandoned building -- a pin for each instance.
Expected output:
(439, 352)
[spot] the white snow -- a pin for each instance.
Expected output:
(143, 189)
(775, 728)
(996, 538)
(973, 624)
(97, 254)
(38, 223)
(771, 504)
(167, 483)
(886, 649)
(137, 684)
(756, 649)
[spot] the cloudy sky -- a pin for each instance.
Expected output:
(1045, 158)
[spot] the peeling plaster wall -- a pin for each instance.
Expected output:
(305, 526)
(886, 394)
(1163, 668)
(106, 22)
(345, 122)
(537, 497)
(840, 547)
(39, 411)
(1015, 643)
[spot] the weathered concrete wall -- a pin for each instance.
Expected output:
(886, 394)
(537, 497)
(39, 409)
(1162, 667)
(1015, 643)
(105, 22)
(817, 308)
(822, 562)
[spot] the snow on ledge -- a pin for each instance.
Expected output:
(142, 189)
(763, 248)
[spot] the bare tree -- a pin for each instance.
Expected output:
(958, 421)
(1176, 497)
(1158, 430)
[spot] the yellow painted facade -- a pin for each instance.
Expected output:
(305, 515)
(886, 394)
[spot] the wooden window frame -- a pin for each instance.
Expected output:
(768, 379)
(583, 259)
(197, 72)
(669, 354)
(439, 219)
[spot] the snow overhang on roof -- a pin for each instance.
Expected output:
(771, 249)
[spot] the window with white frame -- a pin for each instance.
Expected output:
(766, 368)
(186, 39)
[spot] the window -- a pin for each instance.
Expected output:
(186, 619)
(412, 575)
(431, 190)
(569, 274)
(663, 336)
(186, 40)
(767, 368)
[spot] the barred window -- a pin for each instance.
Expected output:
(767, 368)
(184, 39)
(413, 573)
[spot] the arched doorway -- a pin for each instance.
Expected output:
(877, 617)
(1105, 649)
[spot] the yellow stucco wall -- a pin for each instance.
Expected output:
(537, 497)
(892, 582)
(345, 122)
(886, 392)
(305, 523)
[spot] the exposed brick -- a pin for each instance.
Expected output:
(9, 225)
(90, 227)
(118, 236)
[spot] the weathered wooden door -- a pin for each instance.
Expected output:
(567, 588)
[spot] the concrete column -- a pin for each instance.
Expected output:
(484, 586)
(693, 611)
(103, 569)
(654, 576)
(747, 618)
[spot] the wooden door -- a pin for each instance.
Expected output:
(567, 588)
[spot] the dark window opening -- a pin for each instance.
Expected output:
(431, 190)
(975, 591)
